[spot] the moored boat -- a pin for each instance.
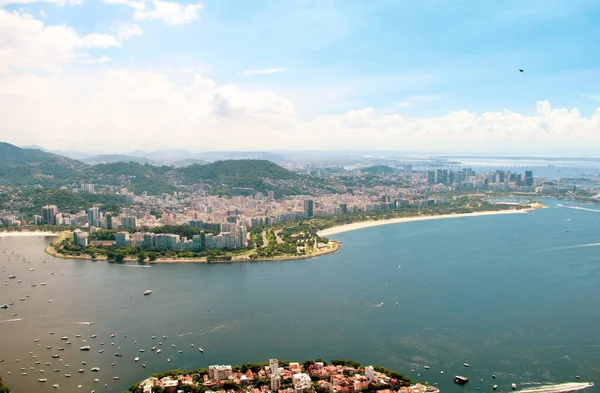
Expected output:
(461, 380)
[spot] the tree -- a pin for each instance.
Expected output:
(141, 257)
(152, 257)
(119, 257)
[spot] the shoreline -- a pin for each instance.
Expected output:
(374, 223)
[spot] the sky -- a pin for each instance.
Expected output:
(442, 76)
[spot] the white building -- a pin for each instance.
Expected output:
(219, 372)
(275, 382)
(370, 373)
(274, 366)
(301, 382)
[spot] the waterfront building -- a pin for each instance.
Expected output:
(80, 238)
(370, 373)
(48, 213)
(108, 224)
(274, 366)
(122, 238)
(529, 178)
(301, 382)
(148, 240)
(219, 372)
(37, 219)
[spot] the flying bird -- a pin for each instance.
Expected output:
(520, 70)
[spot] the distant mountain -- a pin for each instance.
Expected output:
(113, 158)
(77, 155)
(134, 176)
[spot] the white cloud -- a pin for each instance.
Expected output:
(96, 40)
(126, 32)
(259, 72)
(43, 14)
(57, 2)
(28, 44)
(86, 59)
(171, 13)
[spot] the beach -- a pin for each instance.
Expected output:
(373, 223)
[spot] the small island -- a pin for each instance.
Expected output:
(310, 376)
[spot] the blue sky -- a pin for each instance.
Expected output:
(418, 60)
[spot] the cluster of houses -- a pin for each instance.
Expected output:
(291, 379)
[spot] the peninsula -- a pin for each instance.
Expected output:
(311, 376)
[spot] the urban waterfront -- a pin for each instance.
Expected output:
(513, 295)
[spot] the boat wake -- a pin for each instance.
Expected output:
(579, 208)
(83, 323)
(559, 388)
(13, 320)
(133, 266)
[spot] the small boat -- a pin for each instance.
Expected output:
(115, 378)
(68, 343)
(61, 349)
(42, 380)
(159, 351)
(4, 306)
(466, 365)
(65, 338)
(55, 386)
(147, 292)
(426, 367)
(396, 304)
(495, 387)
(201, 350)
(180, 351)
(513, 386)
(493, 375)
(95, 369)
(153, 337)
(191, 345)
(42, 283)
(136, 359)
(38, 362)
(118, 355)
(36, 340)
(68, 375)
(78, 335)
(112, 364)
(112, 335)
(96, 380)
(48, 346)
(143, 350)
(84, 363)
(93, 336)
(143, 365)
(85, 348)
(57, 370)
(51, 332)
(23, 373)
(22, 299)
(81, 370)
(164, 337)
(460, 380)
(12, 276)
(168, 360)
(55, 356)
(100, 351)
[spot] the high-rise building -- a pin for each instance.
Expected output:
(370, 373)
(451, 177)
(529, 178)
(121, 238)
(219, 372)
(275, 382)
(344, 208)
(93, 216)
(274, 366)
(108, 221)
(128, 222)
(88, 188)
(48, 213)
(442, 176)
(37, 219)
(148, 240)
(270, 196)
(500, 176)
(430, 177)
(308, 207)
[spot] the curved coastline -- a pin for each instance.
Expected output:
(373, 223)
(336, 245)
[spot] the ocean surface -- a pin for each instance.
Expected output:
(517, 296)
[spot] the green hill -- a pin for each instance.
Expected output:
(20, 167)
(133, 176)
(115, 158)
(259, 175)
(377, 169)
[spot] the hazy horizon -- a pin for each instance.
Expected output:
(115, 76)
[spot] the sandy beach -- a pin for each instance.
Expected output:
(367, 224)
(27, 233)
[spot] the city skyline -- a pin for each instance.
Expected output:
(123, 75)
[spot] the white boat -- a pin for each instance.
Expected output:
(85, 348)
(159, 351)
(42, 283)
(495, 387)
(12, 276)
(65, 338)
(201, 350)
(93, 336)
(180, 351)
(55, 386)
(513, 386)
(112, 335)
(81, 370)
(137, 359)
(466, 365)
(115, 378)
(42, 380)
(95, 369)
(147, 292)
(68, 375)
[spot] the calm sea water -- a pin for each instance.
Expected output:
(514, 295)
